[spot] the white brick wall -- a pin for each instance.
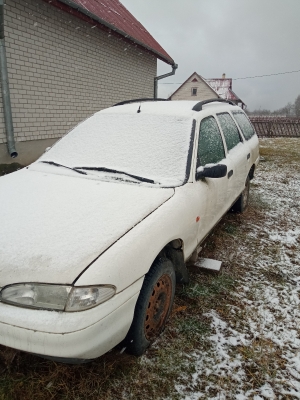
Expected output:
(62, 69)
(204, 92)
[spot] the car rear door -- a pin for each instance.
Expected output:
(237, 152)
(249, 134)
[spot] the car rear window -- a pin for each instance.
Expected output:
(244, 124)
(230, 130)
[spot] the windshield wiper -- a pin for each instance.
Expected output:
(114, 171)
(64, 166)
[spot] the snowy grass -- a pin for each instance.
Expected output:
(233, 335)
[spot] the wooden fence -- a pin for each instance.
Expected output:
(267, 126)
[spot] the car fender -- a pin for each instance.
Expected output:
(131, 257)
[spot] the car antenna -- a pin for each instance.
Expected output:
(139, 109)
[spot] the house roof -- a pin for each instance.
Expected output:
(224, 88)
(114, 16)
(190, 77)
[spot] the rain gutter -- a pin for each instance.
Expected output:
(174, 67)
(84, 11)
(5, 89)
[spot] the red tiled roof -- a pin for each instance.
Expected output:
(113, 15)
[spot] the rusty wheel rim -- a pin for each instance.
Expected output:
(158, 307)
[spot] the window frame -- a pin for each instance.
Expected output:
(196, 89)
(241, 137)
(233, 112)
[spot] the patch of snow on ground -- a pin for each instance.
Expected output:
(268, 299)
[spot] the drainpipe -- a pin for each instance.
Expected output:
(5, 89)
(174, 67)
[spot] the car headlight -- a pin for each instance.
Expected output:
(82, 298)
(56, 297)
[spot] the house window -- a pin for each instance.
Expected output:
(194, 91)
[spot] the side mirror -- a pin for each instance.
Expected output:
(215, 171)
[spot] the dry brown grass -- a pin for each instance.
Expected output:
(280, 150)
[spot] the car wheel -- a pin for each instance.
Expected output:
(153, 307)
(242, 202)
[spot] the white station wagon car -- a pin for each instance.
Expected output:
(95, 233)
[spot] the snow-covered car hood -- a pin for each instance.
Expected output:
(53, 226)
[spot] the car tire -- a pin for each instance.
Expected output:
(242, 202)
(153, 307)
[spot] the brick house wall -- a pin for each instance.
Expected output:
(61, 70)
(204, 92)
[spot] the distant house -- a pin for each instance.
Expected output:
(194, 88)
(198, 88)
(67, 59)
(223, 86)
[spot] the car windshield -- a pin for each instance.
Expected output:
(150, 146)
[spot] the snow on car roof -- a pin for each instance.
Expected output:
(183, 108)
(178, 107)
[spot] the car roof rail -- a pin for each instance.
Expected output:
(198, 106)
(138, 101)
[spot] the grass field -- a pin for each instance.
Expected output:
(231, 336)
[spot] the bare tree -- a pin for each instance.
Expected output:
(259, 112)
(289, 110)
(286, 111)
(297, 106)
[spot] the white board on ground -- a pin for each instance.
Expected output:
(208, 263)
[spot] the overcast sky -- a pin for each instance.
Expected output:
(241, 38)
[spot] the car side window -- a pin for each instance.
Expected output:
(230, 130)
(244, 124)
(210, 145)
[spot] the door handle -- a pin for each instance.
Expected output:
(230, 173)
(248, 156)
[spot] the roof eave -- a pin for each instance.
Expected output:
(84, 11)
(237, 97)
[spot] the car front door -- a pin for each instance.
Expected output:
(214, 191)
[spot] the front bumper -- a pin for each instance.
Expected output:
(79, 335)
